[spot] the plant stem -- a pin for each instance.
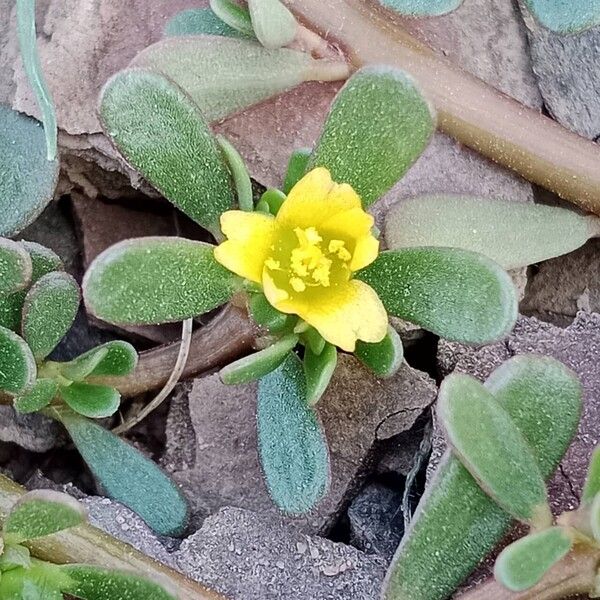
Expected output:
(469, 110)
(574, 574)
(88, 545)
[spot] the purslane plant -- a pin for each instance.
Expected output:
(37, 308)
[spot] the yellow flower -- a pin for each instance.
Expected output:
(305, 257)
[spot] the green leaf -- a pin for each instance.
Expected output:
(292, 445)
(17, 364)
(13, 556)
(296, 168)
(89, 400)
(274, 199)
(273, 24)
(163, 134)
(128, 476)
(41, 581)
(257, 365)
(594, 517)
(49, 311)
(491, 447)
(156, 280)
(378, 125)
(94, 583)
(313, 339)
(199, 21)
(422, 8)
(456, 294)
(513, 234)
(592, 481)
(318, 370)
(15, 267)
(233, 14)
(31, 63)
(564, 16)
(266, 315)
(383, 358)
(523, 564)
(40, 513)
(27, 178)
(37, 397)
(455, 516)
(225, 75)
(239, 173)
(113, 359)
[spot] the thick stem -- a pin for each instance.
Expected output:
(473, 112)
(87, 545)
(573, 575)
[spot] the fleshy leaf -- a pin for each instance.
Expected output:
(225, 75)
(292, 445)
(15, 267)
(80, 367)
(523, 564)
(234, 15)
(40, 513)
(378, 125)
(113, 359)
(49, 311)
(89, 400)
(156, 280)
(318, 370)
(239, 173)
(37, 397)
(456, 294)
(41, 581)
(455, 516)
(13, 556)
(274, 199)
(94, 583)
(422, 8)
(296, 168)
(27, 178)
(17, 364)
(383, 358)
(565, 16)
(491, 447)
(128, 476)
(314, 340)
(266, 315)
(257, 365)
(199, 21)
(163, 134)
(273, 23)
(594, 516)
(513, 234)
(592, 481)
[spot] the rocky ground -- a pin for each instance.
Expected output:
(379, 431)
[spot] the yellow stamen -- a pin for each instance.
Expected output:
(297, 284)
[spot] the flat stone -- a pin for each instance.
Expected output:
(358, 412)
(33, 432)
(247, 556)
(567, 71)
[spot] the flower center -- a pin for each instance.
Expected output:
(303, 259)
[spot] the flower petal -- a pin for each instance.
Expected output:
(354, 223)
(250, 236)
(365, 252)
(346, 314)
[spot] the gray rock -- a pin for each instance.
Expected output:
(567, 70)
(358, 412)
(33, 432)
(247, 556)
(376, 520)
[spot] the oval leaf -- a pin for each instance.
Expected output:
(273, 24)
(17, 364)
(113, 359)
(225, 75)
(162, 134)
(156, 280)
(80, 367)
(422, 8)
(49, 311)
(318, 370)
(41, 580)
(27, 178)
(128, 476)
(491, 447)
(292, 446)
(15, 267)
(459, 295)
(513, 234)
(296, 168)
(239, 173)
(523, 564)
(566, 17)
(93, 401)
(94, 583)
(40, 513)
(258, 364)
(383, 358)
(266, 315)
(37, 397)
(378, 125)
(233, 14)
(199, 21)
(592, 481)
